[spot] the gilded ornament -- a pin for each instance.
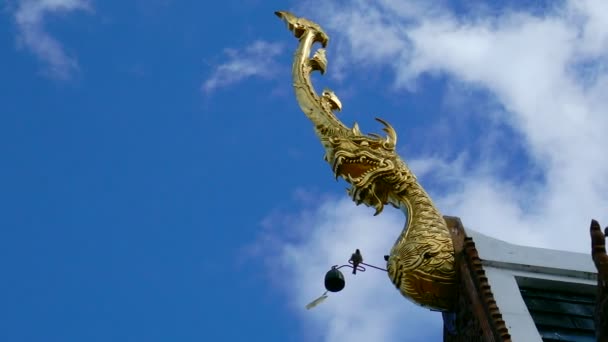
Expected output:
(421, 262)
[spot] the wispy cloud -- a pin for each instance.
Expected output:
(546, 79)
(255, 60)
(30, 16)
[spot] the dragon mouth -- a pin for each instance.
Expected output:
(356, 170)
(363, 173)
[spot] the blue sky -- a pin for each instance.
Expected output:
(159, 182)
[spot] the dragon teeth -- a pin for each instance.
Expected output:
(337, 163)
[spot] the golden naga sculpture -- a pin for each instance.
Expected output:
(421, 263)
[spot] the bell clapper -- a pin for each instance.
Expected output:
(317, 301)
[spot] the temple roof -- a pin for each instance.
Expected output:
(507, 255)
(477, 317)
(532, 285)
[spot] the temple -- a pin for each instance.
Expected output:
(517, 293)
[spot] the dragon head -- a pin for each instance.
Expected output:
(367, 162)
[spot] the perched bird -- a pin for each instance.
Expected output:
(356, 259)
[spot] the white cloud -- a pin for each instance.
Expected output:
(255, 60)
(546, 74)
(30, 16)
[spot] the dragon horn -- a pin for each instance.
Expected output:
(390, 131)
(355, 129)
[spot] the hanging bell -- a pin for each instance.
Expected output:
(334, 280)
